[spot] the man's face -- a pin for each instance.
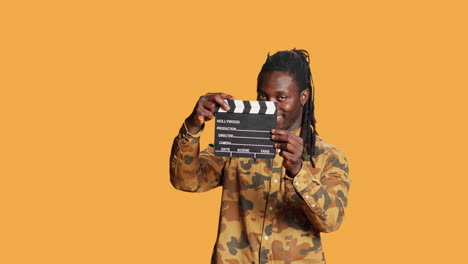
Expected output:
(281, 88)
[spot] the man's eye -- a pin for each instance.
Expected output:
(281, 98)
(261, 97)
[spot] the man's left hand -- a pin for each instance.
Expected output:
(291, 147)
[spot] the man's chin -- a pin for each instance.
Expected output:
(280, 122)
(280, 125)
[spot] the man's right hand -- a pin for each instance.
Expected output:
(204, 110)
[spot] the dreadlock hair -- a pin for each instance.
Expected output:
(296, 63)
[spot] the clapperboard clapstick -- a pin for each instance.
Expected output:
(245, 130)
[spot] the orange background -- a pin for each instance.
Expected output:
(92, 94)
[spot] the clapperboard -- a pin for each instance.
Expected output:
(245, 130)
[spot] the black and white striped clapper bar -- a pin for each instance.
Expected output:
(245, 130)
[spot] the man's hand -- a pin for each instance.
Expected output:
(291, 147)
(204, 110)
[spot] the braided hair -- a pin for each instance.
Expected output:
(296, 63)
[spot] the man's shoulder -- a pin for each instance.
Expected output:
(322, 147)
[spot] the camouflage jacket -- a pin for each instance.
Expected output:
(266, 216)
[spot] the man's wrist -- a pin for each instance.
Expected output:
(295, 171)
(192, 129)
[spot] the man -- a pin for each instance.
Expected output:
(272, 210)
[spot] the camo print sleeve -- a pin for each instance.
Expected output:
(190, 169)
(323, 190)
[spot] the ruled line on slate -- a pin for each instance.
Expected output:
(244, 137)
(245, 152)
(246, 145)
(247, 130)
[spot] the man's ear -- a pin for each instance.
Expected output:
(304, 96)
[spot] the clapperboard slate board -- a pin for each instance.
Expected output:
(245, 130)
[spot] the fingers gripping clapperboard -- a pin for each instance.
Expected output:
(245, 130)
